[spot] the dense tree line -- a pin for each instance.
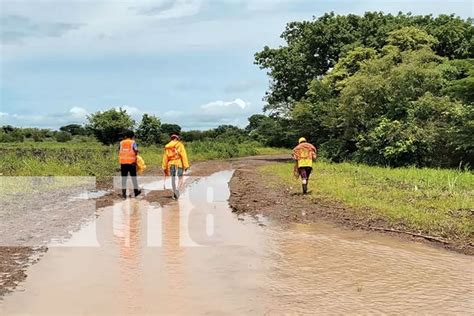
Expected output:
(11, 134)
(380, 89)
(110, 126)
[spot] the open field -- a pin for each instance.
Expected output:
(93, 159)
(429, 201)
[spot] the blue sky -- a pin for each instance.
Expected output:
(187, 61)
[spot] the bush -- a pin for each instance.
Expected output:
(37, 136)
(221, 150)
(11, 137)
(84, 139)
(63, 137)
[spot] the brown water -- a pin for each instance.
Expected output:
(196, 257)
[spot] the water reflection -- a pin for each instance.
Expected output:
(172, 252)
(241, 268)
(127, 236)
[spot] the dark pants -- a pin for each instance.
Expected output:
(132, 170)
(305, 172)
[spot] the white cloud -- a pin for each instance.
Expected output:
(213, 114)
(209, 115)
(78, 112)
(226, 105)
(75, 115)
(121, 27)
(97, 28)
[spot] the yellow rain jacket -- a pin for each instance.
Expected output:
(141, 166)
(175, 154)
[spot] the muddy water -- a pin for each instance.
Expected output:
(196, 257)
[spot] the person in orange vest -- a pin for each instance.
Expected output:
(304, 154)
(128, 163)
(175, 162)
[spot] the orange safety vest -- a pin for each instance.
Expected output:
(127, 155)
(172, 153)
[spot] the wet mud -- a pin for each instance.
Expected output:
(29, 221)
(196, 256)
(255, 193)
(251, 249)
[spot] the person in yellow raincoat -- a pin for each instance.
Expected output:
(304, 154)
(175, 162)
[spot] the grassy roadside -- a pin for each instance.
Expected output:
(93, 159)
(431, 201)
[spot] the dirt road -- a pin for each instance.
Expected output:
(256, 193)
(30, 221)
(152, 255)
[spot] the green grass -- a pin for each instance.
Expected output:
(439, 202)
(207, 150)
(94, 159)
(273, 151)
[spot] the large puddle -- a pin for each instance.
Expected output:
(197, 257)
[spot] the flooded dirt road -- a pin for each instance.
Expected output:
(197, 257)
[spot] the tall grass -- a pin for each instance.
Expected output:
(93, 159)
(205, 150)
(435, 201)
(53, 159)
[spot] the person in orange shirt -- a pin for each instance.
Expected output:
(175, 162)
(128, 152)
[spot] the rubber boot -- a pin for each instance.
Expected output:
(175, 195)
(305, 188)
(124, 193)
(304, 185)
(137, 192)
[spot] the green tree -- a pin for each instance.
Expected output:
(254, 122)
(314, 47)
(271, 131)
(149, 129)
(375, 106)
(455, 36)
(226, 132)
(74, 129)
(409, 38)
(193, 135)
(392, 109)
(170, 129)
(460, 76)
(110, 126)
(167, 130)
